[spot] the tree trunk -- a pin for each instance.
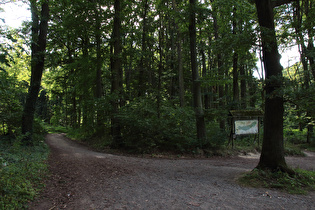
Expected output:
(220, 69)
(311, 57)
(272, 154)
(98, 80)
(300, 39)
(180, 62)
(243, 87)
(235, 67)
(204, 74)
(38, 47)
(305, 52)
(143, 61)
(200, 123)
(116, 75)
(181, 80)
(160, 70)
(235, 82)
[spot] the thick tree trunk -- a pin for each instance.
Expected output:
(39, 35)
(272, 155)
(200, 122)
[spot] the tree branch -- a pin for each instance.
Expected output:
(276, 3)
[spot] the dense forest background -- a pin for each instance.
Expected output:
(123, 73)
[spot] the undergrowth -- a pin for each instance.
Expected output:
(300, 183)
(22, 170)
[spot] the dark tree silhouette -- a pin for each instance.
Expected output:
(272, 155)
(38, 47)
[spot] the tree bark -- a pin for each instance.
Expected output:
(161, 66)
(116, 75)
(200, 123)
(272, 154)
(235, 67)
(38, 47)
(98, 78)
(143, 61)
(180, 61)
(220, 69)
(204, 74)
(310, 57)
(243, 87)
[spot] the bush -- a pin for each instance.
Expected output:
(10, 105)
(143, 131)
(295, 136)
(216, 138)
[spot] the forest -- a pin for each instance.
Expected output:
(129, 74)
(161, 75)
(151, 76)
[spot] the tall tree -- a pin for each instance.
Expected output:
(235, 65)
(179, 60)
(116, 74)
(272, 154)
(98, 80)
(200, 122)
(143, 65)
(304, 25)
(220, 63)
(38, 47)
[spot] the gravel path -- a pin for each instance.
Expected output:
(84, 179)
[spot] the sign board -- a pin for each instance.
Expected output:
(246, 127)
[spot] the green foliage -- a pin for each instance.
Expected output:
(295, 136)
(309, 147)
(22, 171)
(216, 138)
(55, 129)
(299, 183)
(143, 131)
(293, 150)
(10, 106)
(299, 112)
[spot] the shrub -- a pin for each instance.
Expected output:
(295, 136)
(143, 131)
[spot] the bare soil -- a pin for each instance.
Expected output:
(85, 179)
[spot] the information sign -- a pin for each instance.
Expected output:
(246, 127)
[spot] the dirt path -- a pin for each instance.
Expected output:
(83, 179)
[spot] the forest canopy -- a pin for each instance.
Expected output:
(154, 75)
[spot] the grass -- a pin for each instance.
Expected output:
(300, 183)
(22, 171)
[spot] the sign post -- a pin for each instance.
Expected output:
(245, 122)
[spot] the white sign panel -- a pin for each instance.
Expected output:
(246, 127)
